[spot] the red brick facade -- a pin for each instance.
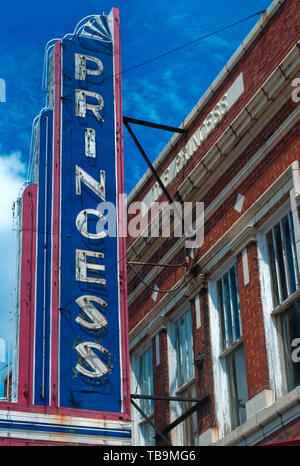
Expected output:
(204, 372)
(161, 382)
(249, 168)
(253, 325)
(289, 434)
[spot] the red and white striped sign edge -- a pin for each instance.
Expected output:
(29, 244)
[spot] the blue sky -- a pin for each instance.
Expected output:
(163, 91)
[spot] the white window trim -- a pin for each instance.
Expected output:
(234, 264)
(175, 406)
(284, 209)
(215, 262)
(219, 354)
(281, 308)
(135, 388)
(276, 367)
(221, 384)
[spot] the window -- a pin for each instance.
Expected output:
(184, 349)
(284, 283)
(182, 379)
(284, 272)
(236, 370)
(229, 308)
(289, 322)
(233, 351)
(144, 378)
(189, 426)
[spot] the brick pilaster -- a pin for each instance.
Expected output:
(161, 383)
(252, 324)
(203, 372)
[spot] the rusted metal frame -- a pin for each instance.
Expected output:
(158, 432)
(154, 172)
(154, 125)
(185, 415)
(156, 265)
(128, 120)
(166, 398)
(179, 420)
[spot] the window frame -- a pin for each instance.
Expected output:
(222, 388)
(176, 407)
(282, 306)
(287, 212)
(271, 313)
(279, 314)
(189, 425)
(139, 420)
(190, 351)
(228, 349)
(224, 312)
(235, 413)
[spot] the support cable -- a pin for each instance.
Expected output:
(172, 290)
(159, 433)
(168, 52)
(126, 121)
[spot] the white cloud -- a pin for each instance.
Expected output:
(12, 172)
(2, 350)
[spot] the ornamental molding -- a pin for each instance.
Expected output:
(248, 235)
(97, 27)
(269, 98)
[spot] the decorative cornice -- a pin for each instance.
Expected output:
(248, 235)
(272, 95)
(265, 203)
(158, 317)
(236, 57)
(95, 28)
(290, 174)
(197, 283)
(157, 326)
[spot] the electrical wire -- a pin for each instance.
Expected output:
(176, 49)
(172, 290)
(187, 44)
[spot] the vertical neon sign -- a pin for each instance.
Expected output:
(74, 357)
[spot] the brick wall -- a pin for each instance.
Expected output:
(161, 383)
(257, 64)
(287, 151)
(203, 373)
(253, 325)
(262, 57)
(287, 434)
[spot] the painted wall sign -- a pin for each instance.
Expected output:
(73, 346)
(199, 136)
